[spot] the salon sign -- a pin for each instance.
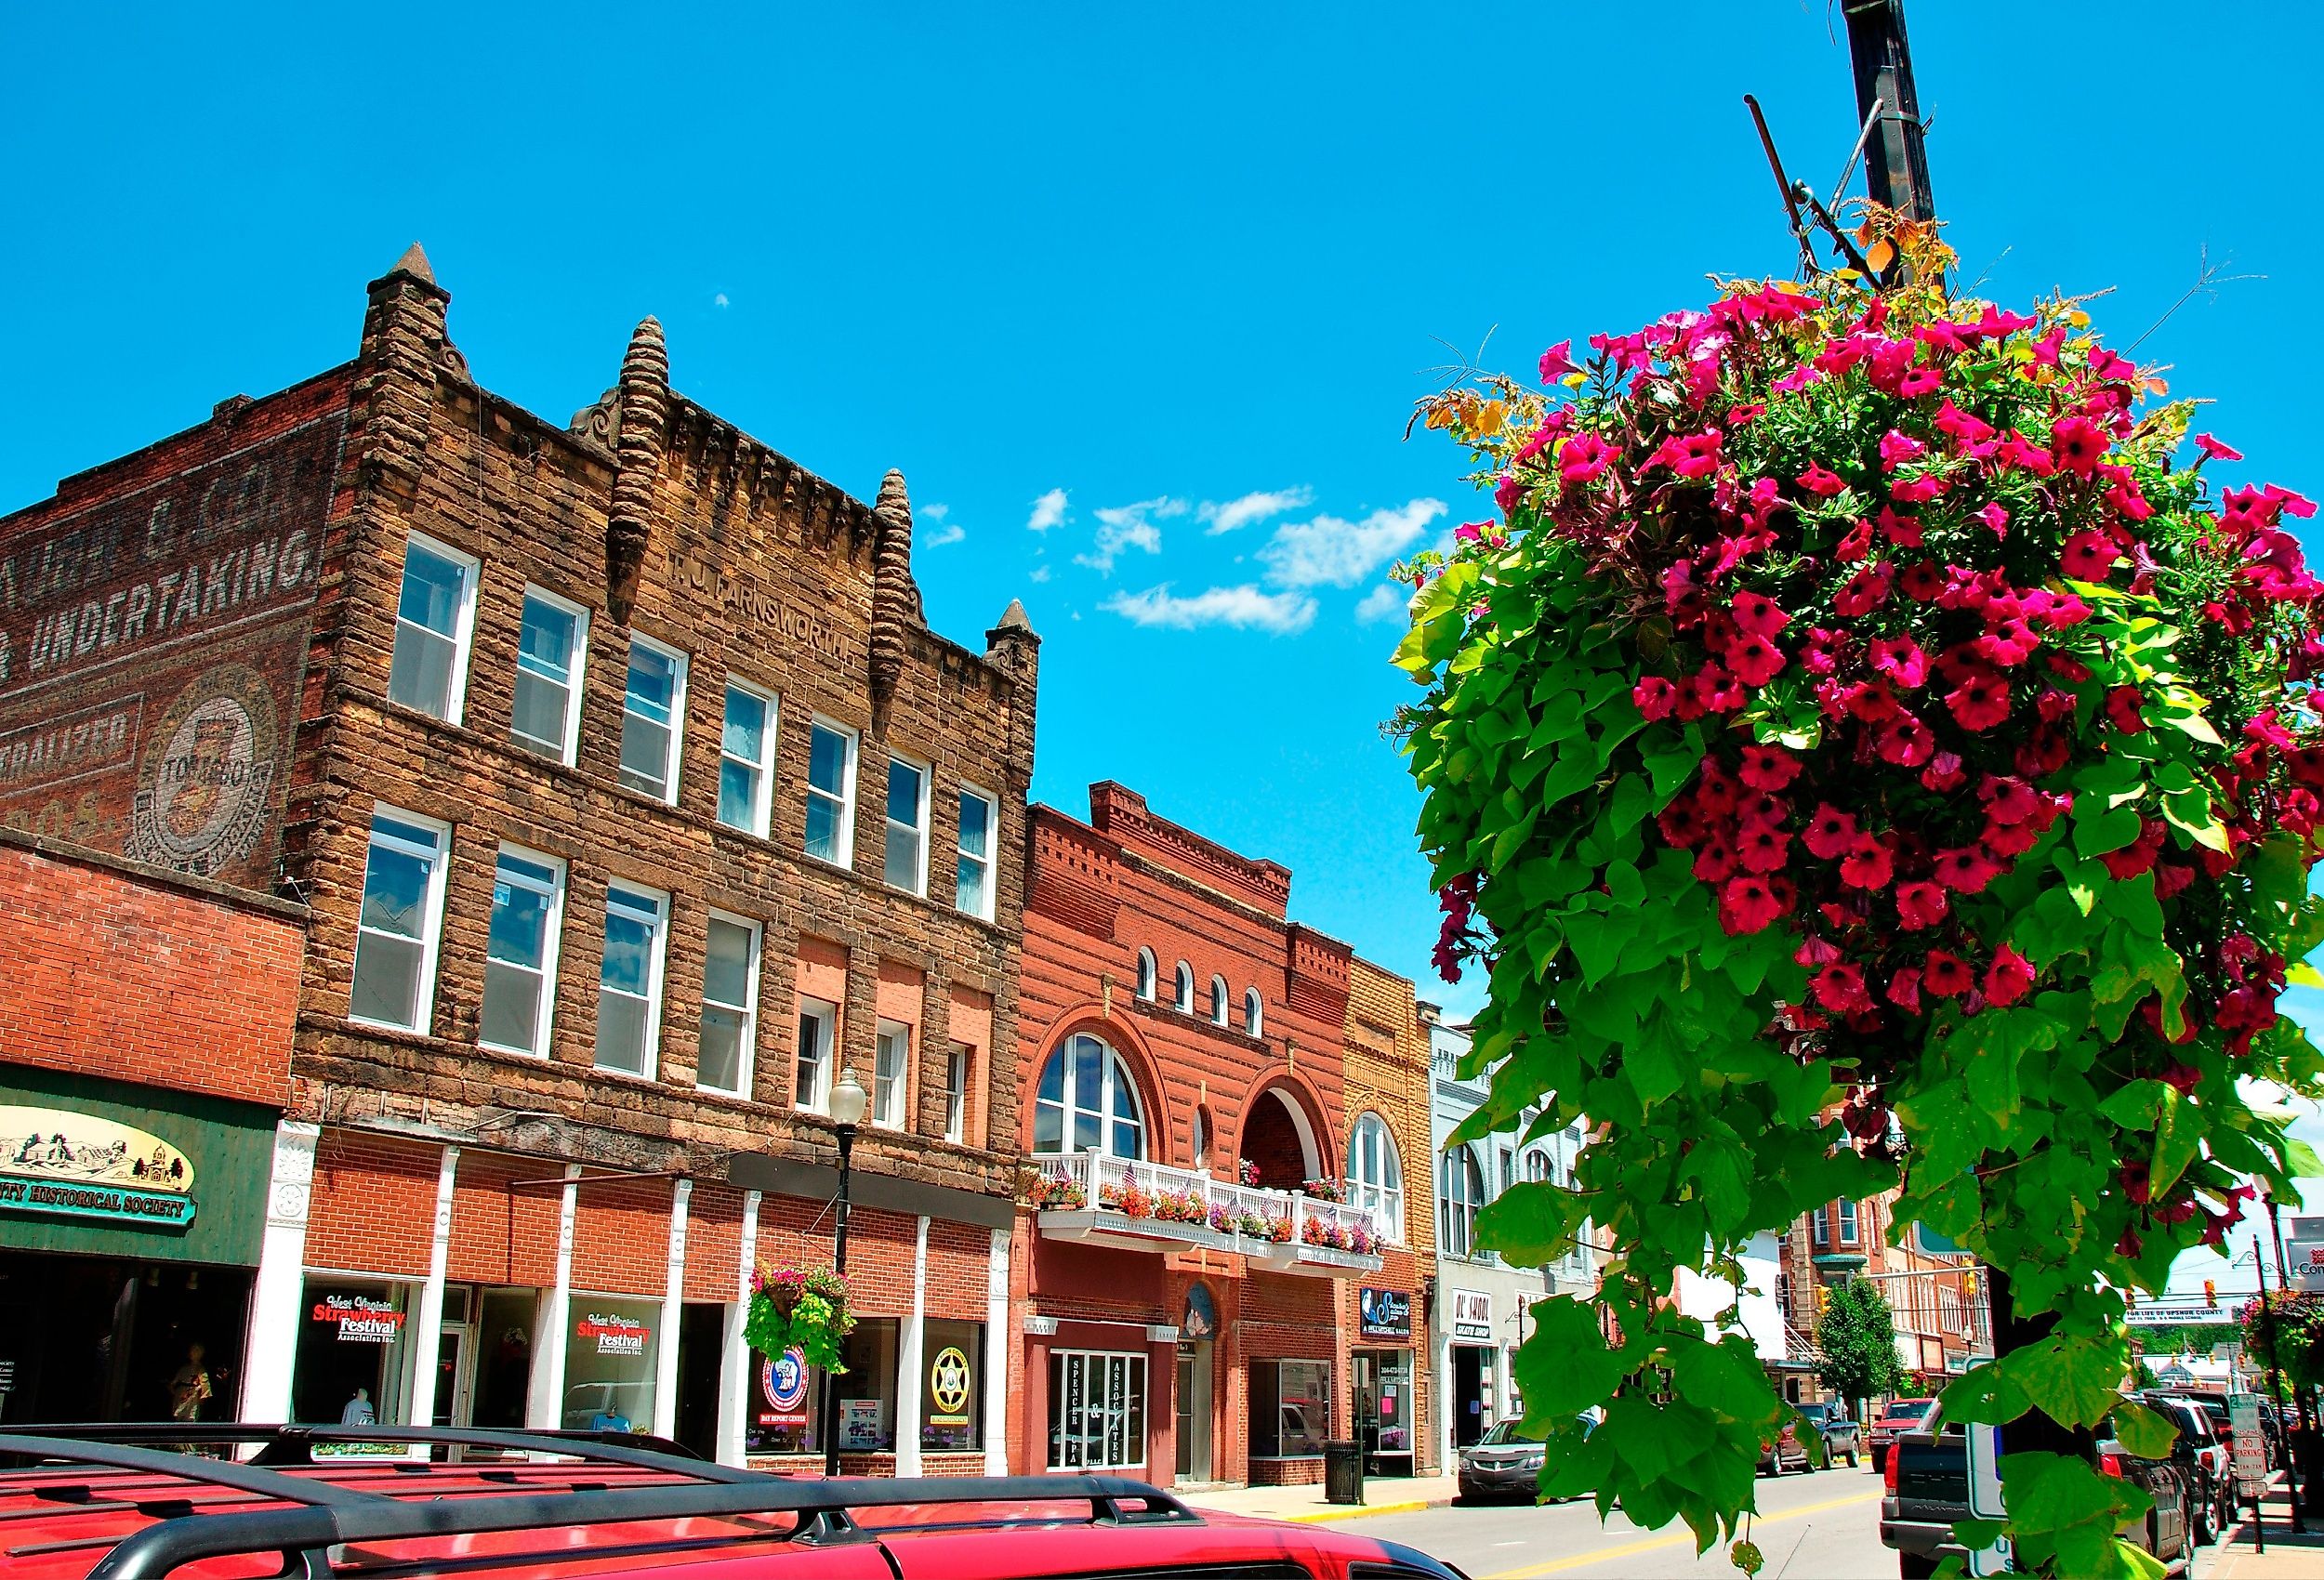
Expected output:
(69, 1165)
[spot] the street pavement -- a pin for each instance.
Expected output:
(1824, 1526)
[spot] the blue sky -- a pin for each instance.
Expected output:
(1176, 272)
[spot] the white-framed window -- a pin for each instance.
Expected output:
(1538, 1167)
(745, 758)
(435, 613)
(1376, 1173)
(1202, 1137)
(1086, 1101)
(818, 1034)
(1097, 1410)
(1145, 975)
(1183, 989)
(729, 1004)
(401, 925)
(652, 719)
(1254, 1014)
(959, 1065)
(520, 952)
(552, 649)
(1509, 1170)
(980, 824)
(891, 1074)
(1219, 1006)
(1464, 1194)
(1821, 1222)
(1847, 1223)
(908, 826)
(629, 979)
(831, 792)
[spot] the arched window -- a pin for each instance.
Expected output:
(1202, 1137)
(1182, 990)
(1376, 1173)
(1254, 1014)
(1088, 1102)
(1145, 975)
(1464, 1193)
(1217, 1001)
(1538, 1167)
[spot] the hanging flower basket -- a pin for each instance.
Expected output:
(804, 1308)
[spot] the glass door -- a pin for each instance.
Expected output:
(450, 1406)
(1194, 1411)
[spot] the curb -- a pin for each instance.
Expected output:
(1362, 1510)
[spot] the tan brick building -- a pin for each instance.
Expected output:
(633, 800)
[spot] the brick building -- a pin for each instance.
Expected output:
(1185, 1300)
(1937, 1302)
(631, 801)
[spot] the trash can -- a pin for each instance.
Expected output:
(1343, 1472)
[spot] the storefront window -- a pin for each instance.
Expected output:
(1383, 1380)
(352, 1354)
(867, 1389)
(785, 1405)
(952, 1390)
(1097, 1411)
(1291, 1407)
(610, 1347)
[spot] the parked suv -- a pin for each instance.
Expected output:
(2204, 1456)
(1898, 1415)
(1839, 1430)
(560, 1506)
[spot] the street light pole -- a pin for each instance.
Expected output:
(848, 1102)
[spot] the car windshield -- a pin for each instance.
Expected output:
(1908, 1409)
(1501, 1433)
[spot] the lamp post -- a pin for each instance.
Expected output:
(848, 1102)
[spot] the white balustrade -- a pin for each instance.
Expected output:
(1171, 1199)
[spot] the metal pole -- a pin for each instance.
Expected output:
(838, 1259)
(1895, 160)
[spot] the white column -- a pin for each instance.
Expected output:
(735, 1379)
(428, 1321)
(673, 1307)
(911, 1361)
(544, 1399)
(998, 1340)
(275, 1298)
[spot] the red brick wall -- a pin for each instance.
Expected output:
(113, 972)
(373, 1208)
(714, 1242)
(621, 1237)
(501, 1235)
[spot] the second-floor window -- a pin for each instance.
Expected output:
(630, 981)
(1183, 989)
(400, 923)
(818, 1024)
(1145, 975)
(1254, 1014)
(957, 1065)
(730, 1003)
(974, 888)
(520, 952)
(908, 826)
(552, 641)
(830, 793)
(745, 744)
(1376, 1173)
(652, 716)
(1464, 1194)
(1220, 1007)
(1086, 1101)
(1847, 1213)
(891, 1074)
(433, 613)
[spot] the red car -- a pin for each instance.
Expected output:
(1900, 1416)
(321, 1501)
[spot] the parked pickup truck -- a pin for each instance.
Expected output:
(1928, 1489)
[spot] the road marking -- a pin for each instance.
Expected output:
(1606, 1555)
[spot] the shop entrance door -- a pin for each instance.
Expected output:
(701, 1341)
(1468, 1389)
(1383, 1402)
(454, 1347)
(1194, 1410)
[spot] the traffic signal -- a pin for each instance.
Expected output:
(1823, 1298)
(2211, 1295)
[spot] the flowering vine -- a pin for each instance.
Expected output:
(1866, 750)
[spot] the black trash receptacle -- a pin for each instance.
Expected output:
(1343, 1472)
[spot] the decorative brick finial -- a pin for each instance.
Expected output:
(414, 263)
(895, 600)
(638, 448)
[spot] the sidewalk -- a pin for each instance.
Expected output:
(2289, 1556)
(1382, 1495)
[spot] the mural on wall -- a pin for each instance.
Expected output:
(152, 644)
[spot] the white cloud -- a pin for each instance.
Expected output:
(950, 533)
(1386, 601)
(1330, 552)
(1252, 507)
(1244, 608)
(1048, 512)
(1124, 527)
(1038, 573)
(718, 300)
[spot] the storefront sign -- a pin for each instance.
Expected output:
(783, 1384)
(948, 1378)
(1384, 1313)
(60, 1145)
(361, 1319)
(151, 1209)
(859, 1423)
(615, 1335)
(1472, 1314)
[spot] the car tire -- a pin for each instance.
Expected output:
(1853, 1460)
(1912, 1566)
(2201, 1531)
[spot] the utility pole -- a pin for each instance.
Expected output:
(1895, 161)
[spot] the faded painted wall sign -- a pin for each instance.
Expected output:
(152, 648)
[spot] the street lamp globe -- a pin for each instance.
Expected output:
(849, 1100)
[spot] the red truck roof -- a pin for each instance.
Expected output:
(316, 1502)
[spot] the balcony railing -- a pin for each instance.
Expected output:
(1151, 1205)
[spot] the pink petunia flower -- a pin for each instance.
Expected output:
(1655, 696)
(1867, 864)
(1966, 870)
(1830, 833)
(2007, 980)
(1748, 904)
(1756, 614)
(1905, 532)
(1947, 975)
(1954, 423)
(1866, 591)
(1557, 362)
(1905, 742)
(2088, 556)
(1584, 458)
(1996, 516)
(1898, 448)
(1769, 767)
(2214, 451)
(1691, 455)
(1900, 659)
(1840, 988)
(1981, 701)
(2077, 444)
(1755, 660)
(1904, 989)
(1820, 480)
(1920, 904)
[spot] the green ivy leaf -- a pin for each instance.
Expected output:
(2142, 1431)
